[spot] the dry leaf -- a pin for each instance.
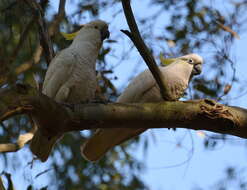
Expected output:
(227, 88)
(171, 43)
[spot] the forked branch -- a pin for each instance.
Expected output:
(136, 38)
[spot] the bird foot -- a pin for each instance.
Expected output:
(66, 104)
(100, 101)
(174, 129)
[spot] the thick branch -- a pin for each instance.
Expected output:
(198, 115)
(135, 36)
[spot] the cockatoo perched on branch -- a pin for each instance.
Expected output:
(143, 88)
(71, 77)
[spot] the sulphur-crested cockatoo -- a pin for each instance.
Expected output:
(71, 77)
(144, 88)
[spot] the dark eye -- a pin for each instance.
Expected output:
(190, 61)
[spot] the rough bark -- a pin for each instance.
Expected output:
(52, 117)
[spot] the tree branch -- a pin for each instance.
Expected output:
(13, 147)
(52, 30)
(1, 184)
(45, 40)
(58, 18)
(25, 66)
(135, 36)
(198, 114)
(22, 39)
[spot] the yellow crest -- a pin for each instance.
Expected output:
(165, 61)
(70, 36)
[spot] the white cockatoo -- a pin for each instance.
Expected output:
(71, 77)
(144, 88)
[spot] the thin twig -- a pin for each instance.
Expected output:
(45, 40)
(10, 6)
(52, 30)
(22, 39)
(135, 36)
(61, 8)
(58, 18)
(23, 67)
(1, 184)
(43, 172)
(13, 147)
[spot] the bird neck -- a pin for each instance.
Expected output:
(182, 70)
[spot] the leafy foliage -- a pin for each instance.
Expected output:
(192, 26)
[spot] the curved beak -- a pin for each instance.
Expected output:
(197, 69)
(105, 34)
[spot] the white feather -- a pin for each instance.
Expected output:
(71, 78)
(143, 88)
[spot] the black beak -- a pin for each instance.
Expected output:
(104, 34)
(197, 69)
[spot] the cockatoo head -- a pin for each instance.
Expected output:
(100, 25)
(195, 60)
(91, 28)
